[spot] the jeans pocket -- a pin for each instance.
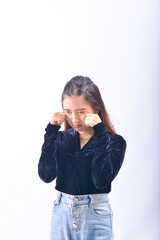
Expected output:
(101, 210)
(55, 205)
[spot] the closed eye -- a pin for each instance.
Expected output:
(68, 112)
(80, 112)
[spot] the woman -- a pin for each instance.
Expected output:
(84, 159)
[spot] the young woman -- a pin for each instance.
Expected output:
(84, 159)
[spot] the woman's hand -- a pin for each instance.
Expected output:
(58, 118)
(92, 119)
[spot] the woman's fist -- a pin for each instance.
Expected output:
(92, 119)
(58, 118)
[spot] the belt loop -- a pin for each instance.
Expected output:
(91, 200)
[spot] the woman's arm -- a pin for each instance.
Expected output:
(47, 161)
(109, 154)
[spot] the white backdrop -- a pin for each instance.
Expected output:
(42, 45)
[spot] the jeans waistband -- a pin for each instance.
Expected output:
(82, 199)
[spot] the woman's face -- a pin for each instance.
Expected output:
(76, 108)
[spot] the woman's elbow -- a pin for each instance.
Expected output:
(46, 176)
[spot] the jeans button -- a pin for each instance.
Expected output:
(75, 199)
(74, 216)
(75, 225)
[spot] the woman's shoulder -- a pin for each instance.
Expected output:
(114, 137)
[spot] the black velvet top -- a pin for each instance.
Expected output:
(89, 170)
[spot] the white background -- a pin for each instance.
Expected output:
(42, 45)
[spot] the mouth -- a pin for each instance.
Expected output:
(77, 126)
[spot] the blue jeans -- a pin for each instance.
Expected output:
(81, 217)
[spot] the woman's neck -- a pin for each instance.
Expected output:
(86, 134)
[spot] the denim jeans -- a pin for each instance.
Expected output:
(81, 217)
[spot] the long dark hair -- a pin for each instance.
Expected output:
(80, 85)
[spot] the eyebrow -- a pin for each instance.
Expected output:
(77, 109)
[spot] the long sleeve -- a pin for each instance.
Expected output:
(108, 158)
(47, 161)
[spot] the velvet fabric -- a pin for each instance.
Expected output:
(89, 170)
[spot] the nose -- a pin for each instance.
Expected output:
(74, 118)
